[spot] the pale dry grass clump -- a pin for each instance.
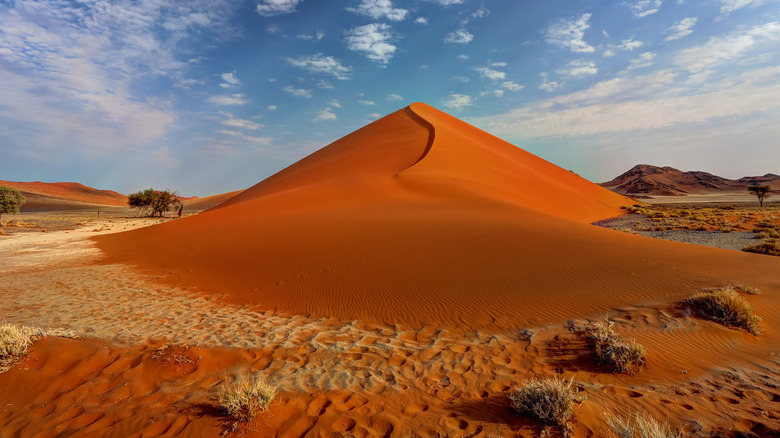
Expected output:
(727, 307)
(14, 341)
(245, 397)
(612, 349)
(551, 401)
(768, 247)
(641, 426)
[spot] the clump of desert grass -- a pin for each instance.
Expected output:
(551, 401)
(621, 354)
(14, 341)
(641, 426)
(725, 306)
(243, 399)
(767, 246)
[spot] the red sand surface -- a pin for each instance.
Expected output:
(422, 219)
(68, 191)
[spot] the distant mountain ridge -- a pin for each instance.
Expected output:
(645, 179)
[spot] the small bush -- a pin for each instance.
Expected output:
(768, 247)
(727, 307)
(551, 401)
(244, 398)
(641, 426)
(614, 350)
(14, 341)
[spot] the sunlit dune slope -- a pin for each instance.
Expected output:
(58, 193)
(421, 219)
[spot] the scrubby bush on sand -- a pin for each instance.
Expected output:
(727, 307)
(14, 341)
(245, 397)
(551, 401)
(612, 349)
(768, 247)
(641, 426)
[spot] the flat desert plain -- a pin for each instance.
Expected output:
(398, 282)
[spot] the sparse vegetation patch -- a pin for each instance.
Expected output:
(727, 307)
(768, 247)
(641, 426)
(550, 401)
(622, 354)
(244, 398)
(14, 341)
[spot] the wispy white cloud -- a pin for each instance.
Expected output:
(643, 60)
(249, 138)
(75, 70)
(728, 48)
(603, 107)
(460, 36)
(394, 97)
(512, 86)
(458, 101)
(235, 122)
(729, 6)
(570, 33)
(298, 92)
(548, 85)
(321, 64)
(269, 8)
(372, 40)
(421, 20)
(232, 100)
(367, 102)
(578, 68)
(229, 80)
(680, 29)
(489, 73)
(378, 9)
(326, 114)
(316, 37)
(335, 103)
(643, 8)
(629, 44)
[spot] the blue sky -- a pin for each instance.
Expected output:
(209, 96)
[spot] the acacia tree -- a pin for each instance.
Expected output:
(762, 192)
(154, 202)
(10, 200)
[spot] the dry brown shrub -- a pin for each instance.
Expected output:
(641, 426)
(612, 349)
(245, 397)
(727, 307)
(551, 401)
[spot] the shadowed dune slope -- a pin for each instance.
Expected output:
(421, 219)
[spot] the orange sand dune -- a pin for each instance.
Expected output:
(207, 202)
(421, 219)
(68, 191)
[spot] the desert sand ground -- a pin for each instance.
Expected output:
(149, 356)
(391, 287)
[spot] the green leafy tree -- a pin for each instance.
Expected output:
(762, 192)
(154, 202)
(10, 200)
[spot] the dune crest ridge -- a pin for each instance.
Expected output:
(420, 219)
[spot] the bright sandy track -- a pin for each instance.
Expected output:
(367, 379)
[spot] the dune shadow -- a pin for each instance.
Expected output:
(497, 409)
(572, 352)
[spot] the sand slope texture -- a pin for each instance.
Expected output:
(420, 219)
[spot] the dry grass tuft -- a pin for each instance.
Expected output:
(623, 355)
(14, 341)
(641, 426)
(551, 401)
(727, 307)
(245, 397)
(768, 247)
